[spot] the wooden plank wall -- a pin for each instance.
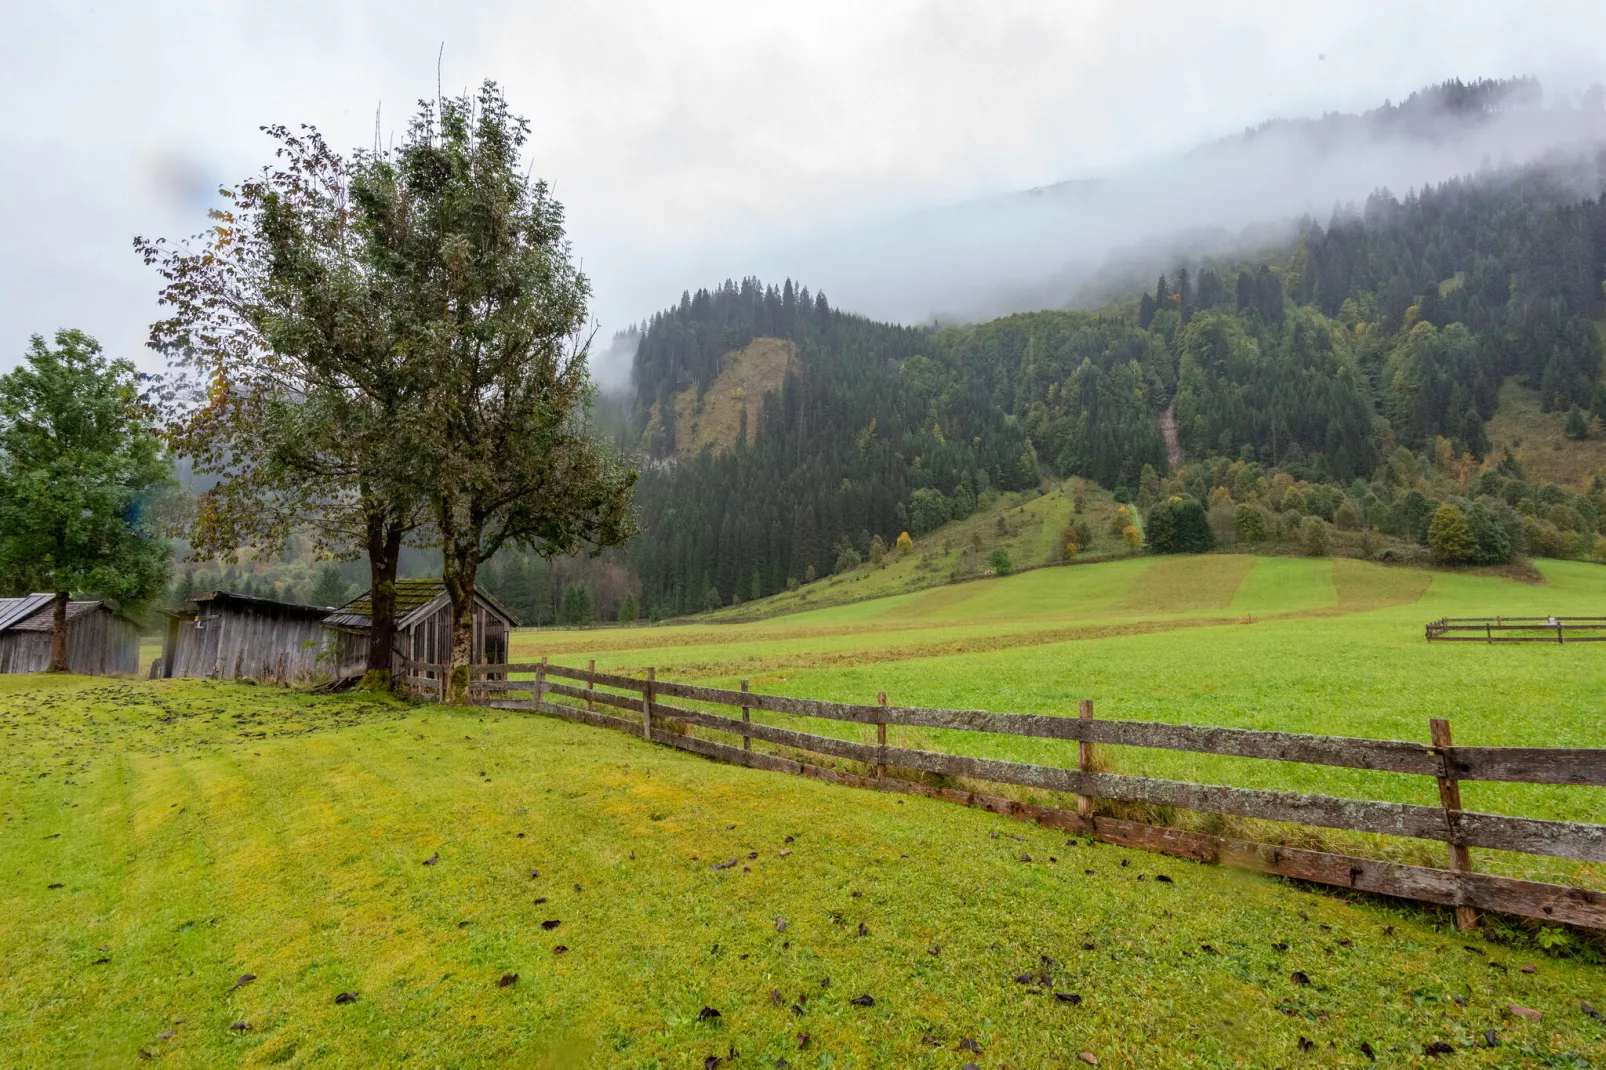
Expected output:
(99, 643)
(237, 642)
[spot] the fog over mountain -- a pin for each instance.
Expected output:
(1044, 248)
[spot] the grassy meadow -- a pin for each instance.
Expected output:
(165, 839)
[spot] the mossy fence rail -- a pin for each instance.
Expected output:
(1517, 630)
(1457, 885)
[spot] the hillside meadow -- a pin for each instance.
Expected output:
(170, 839)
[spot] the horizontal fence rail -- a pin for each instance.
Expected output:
(595, 698)
(1517, 630)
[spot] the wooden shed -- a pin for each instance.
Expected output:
(224, 636)
(100, 640)
(423, 626)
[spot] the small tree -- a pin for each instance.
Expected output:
(1577, 424)
(1133, 538)
(711, 600)
(1179, 526)
(999, 561)
(330, 590)
(1251, 524)
(1118, 522)
(904, 544)
(1315, 536)
(627, 610)
(1494, 541)
(1450, 537)
(1069, 546)
(809, 575)
(576, 606)
(878, 550)
(81, 468)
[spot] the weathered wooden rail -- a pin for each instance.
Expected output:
(663, 722)
(1517, 630)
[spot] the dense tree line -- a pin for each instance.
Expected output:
(871, 436)
(1388, 328)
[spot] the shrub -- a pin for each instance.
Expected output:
(1251, 524)
(1069, 546)
(1315, 536)
(904, 544)
(1118, 522)
(878, 550)
(712, 600)
(847, 559)
(1577, 426)
(1179, 526)
(1133, 537)
(1347, 517)
(1450, 537)
(999, 561)
(1224, 523)
(627, 610)
(809, 574)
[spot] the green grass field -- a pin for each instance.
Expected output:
(165, 839)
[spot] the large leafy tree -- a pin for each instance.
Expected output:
(477, 252)
(81, 471)
(309, 399)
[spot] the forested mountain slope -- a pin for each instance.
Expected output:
(1391, 325)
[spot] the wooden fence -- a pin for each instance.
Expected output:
(1517, 630)
(600, 698)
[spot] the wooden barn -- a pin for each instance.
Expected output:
(100, 640)
(423, 626)
(225, 636)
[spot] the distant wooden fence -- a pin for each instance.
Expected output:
(1457, 886)
(1517, 630)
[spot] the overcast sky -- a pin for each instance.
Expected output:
(689, 142)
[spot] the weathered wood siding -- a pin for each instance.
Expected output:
(99, 643)
(228, 642)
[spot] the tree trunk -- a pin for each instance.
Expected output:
(384, 559)
(58, 634)
(459, 572)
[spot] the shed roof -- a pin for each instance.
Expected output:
(253, 602)
(13, 610)
(32, 613)
(411, 596)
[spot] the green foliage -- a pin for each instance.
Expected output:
(498, 315)
(1315, 536)
(1491, 533)
(1577, 427)
(999, 561)
(576, 608)
(1179, 526)
(82, 473)
(627, 610)
(1450, 537)
(331, 589)
(1251, 524)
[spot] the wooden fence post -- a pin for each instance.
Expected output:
(1559, 639)
(1466, 918)
(646, 705)
(540, 683)
(881, 736)
(591, 683)
(747, 718)
(1084, 762)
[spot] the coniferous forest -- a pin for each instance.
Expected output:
(1369, 347)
